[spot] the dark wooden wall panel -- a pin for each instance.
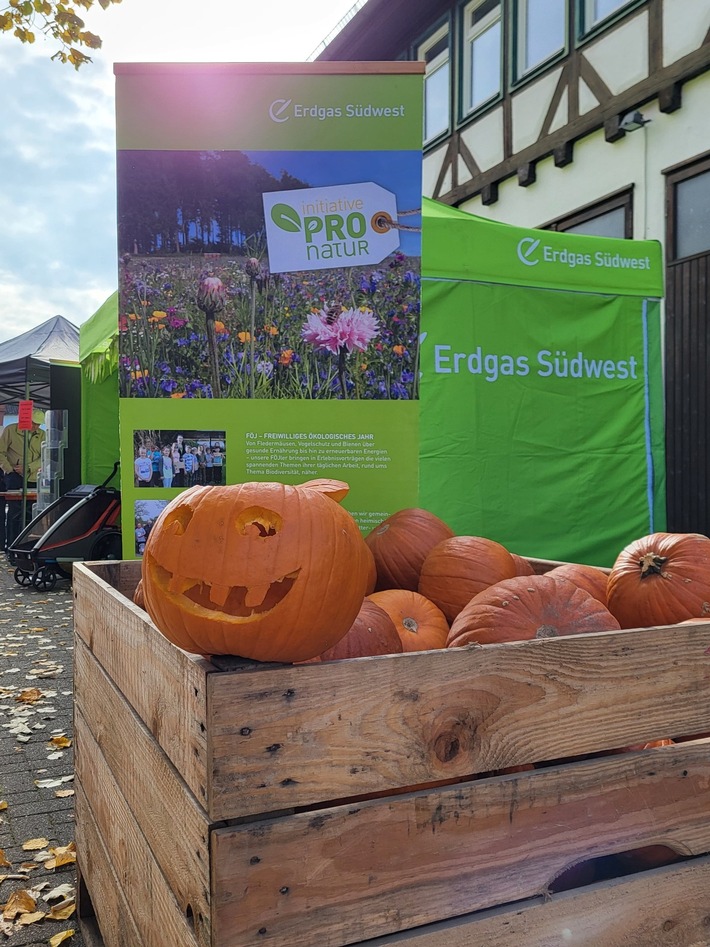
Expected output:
(687, 351)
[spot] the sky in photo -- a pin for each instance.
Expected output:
(57, 137)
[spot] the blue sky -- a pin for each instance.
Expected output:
(57, 137)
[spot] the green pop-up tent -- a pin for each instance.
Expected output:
(541, 397)
(98, 355)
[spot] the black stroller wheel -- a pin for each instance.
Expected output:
(107, 547)
(23, 578)
(44, 579)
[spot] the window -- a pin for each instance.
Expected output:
(482, 33)
(437, 85)
(689, 211)
(594, 11)
(612, 217)
(541, 32)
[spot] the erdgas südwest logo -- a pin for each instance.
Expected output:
(531, 251)
(321, 227)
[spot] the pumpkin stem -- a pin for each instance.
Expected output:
(546, 631)
(411, 625)
(652, 564)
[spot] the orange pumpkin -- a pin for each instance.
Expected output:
(527, 607)
(401, 543)
(372, 632)
(590, 578)
(138, 595)
(456, 569)
(420, 625)
(372, 573)
(661, 579)
(262, 570)
(523, 566)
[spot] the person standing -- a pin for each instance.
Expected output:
(217, 465)
(208, 465)
(20, 460)
(156, 458)
(190, 462)
(143, 468)
(178, 466)
(167, 467)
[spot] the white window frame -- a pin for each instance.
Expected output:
(441, 60)
(523, 68)
(470, 33)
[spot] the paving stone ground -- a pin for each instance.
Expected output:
(36, 755)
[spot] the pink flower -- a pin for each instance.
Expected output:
(352, 329)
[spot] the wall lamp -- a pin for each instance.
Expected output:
(633, 120)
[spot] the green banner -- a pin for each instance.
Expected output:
(272, 106)
(269, 233)
(463, 247)
(542, 416)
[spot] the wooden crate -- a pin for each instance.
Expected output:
(220, 803)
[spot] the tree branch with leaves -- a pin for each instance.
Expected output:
(25, 19)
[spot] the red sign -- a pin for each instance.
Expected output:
(24, 416)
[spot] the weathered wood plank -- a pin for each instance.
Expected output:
(344, 874)
(165, 686)
(148, 783)
(95, 868)
(299, 735)
(666, 907)
(158, 917)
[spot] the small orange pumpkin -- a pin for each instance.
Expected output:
(262, 570)
(527, 607)
(401, 543)
(590, 578)
(138, 595)
(372, 632)
(456, 569)
(420, 625)
(523, 566)
(661, 579)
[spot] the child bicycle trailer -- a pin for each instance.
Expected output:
(82, 525)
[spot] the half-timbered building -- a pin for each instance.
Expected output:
(588, 116)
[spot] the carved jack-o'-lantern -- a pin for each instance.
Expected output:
(261, 570)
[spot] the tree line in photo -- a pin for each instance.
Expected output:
(192, 201)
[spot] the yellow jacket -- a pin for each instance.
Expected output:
(12, 450)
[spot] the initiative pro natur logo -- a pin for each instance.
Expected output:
(322, 227)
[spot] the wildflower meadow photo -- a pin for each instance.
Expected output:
(203, 316)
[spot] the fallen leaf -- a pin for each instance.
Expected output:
(30, 695)
(61, 742)
(61, 891)
(60, 938)
(53, 783)
(63, 855)
(4, 863)
(19, 902)
(62, 911)
(34, 844)
(64, 793)
(28, 919)
(3, 805)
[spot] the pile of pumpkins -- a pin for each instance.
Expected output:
(282, 573)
